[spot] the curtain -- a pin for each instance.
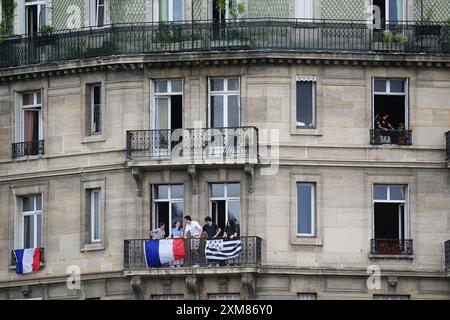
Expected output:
(396, 11)
(163, 10)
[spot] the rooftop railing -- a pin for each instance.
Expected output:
(202, 36)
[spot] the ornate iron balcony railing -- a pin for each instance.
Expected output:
(245, 34)
(447, 135)
(391, 246)
(191, 145)
(195, 254)
(32, 148)
(399, 137)
(447, 255)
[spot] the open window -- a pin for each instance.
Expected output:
(225, 203)
(390, 121)
(392, 12)
(35, 15)
(168, 205)
(169, 10)
(390, 229)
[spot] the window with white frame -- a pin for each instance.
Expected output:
(169, 10)
(231, 10)
(35, 16)
(392, 11)
(304, 10)
(306, 102)
(390, 212)
(224, 102)
(95, 108)
(98, 13)
(390, 104)
(306, 208)
(168, 203)
(29, 117)
(95, 214)
(225, 203)
(306, 296)
(32, 224)
(168, 102)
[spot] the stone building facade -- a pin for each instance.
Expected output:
(325, 200)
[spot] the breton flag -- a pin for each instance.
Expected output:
(27, 260)
(158, 252)
(222, 249)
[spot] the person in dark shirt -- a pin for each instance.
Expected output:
(211, 229)
(231, 230)
(384, 124)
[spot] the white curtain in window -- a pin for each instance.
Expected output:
(396, 10)
(304, 9)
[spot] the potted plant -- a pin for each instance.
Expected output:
(400, 39)
(401, 134)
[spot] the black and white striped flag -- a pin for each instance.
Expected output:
(222, 249)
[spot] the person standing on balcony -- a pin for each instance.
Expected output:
(177, 233)
(231, 232)
(159, 233)
(194, 229)
(212, 231)
(384, 125)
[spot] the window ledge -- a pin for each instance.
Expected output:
(307, 132)
(391, 256)
(299, 241)
(93, 139)
(92, 247)
(28, 158)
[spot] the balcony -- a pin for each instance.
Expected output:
(391, 247)
(23, 149)
(247, 259)
(204, 36)
(194, 146)
(447, 256)
(447, 135)
(398, 137)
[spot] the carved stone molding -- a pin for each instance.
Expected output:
(137, 287)
(192, 171)
(193, 286)
(137, 175)
(250, 173)
(166, 284)
(249, 286)
(223, 285)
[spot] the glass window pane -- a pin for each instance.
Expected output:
(397, 193)
(162, 113)
(177, 191)
(101, 16)
(96, 213)
(217, 85)
(38, 97)
(177, 10)
(397, 86)
(177, 86)
(233, 85)
(27, 99)
(39, 231)
(163, 10)
(38, 202)
(380, 85)
(28, 232)
(233, 190)
(162, 192)
(304, 208)
(96, 94)
(234, 211)
(379, 192)
(27, 204)
(177, 213)
(233, 111)
(305, 106)
(161, 86)
(217, 112)
(217, 190)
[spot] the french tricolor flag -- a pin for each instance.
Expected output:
(27, 260)
(158, 252)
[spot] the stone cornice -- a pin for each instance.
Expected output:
(270, 57)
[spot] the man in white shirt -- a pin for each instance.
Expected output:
(194, 229)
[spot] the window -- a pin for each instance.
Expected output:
(224, 296)
(95, 104)
(304, 10)
(392, 11)
(222, 16)
(29, 124)
(35, 15)
(306, 209)
(31, 221)
(224, 106)
(170, 10)
(169, 205)
(306, 100)
(167, 297)
(390, 111)
(225, 203)
(99, 13)
(390, 220)
(306, 296)
(390, 297)
(95, 215)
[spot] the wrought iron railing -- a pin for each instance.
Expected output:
(391, 246)
(195, 254)
(245, 34)
(447, 255)
(399, 137)
(32, 148)
(14, 261)
(447, 135)
(241, 144)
